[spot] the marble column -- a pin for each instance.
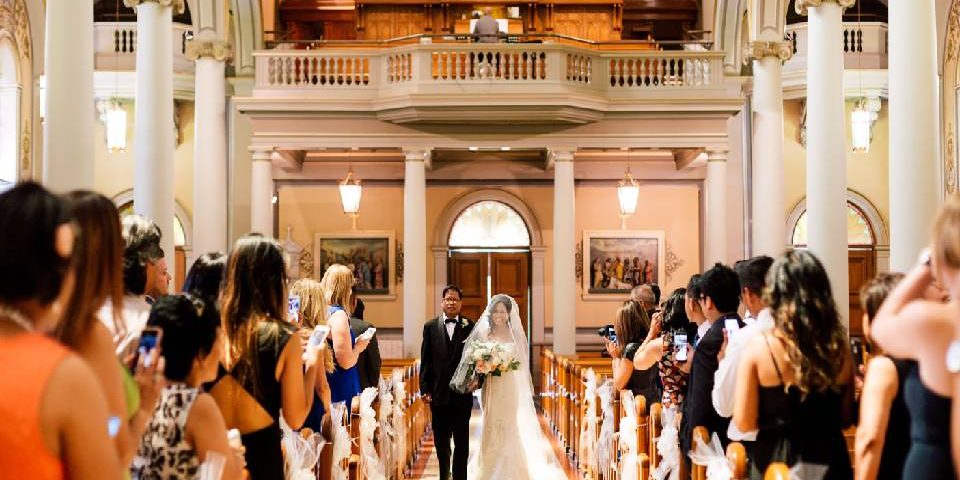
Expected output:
(914, 131)
(440, 255)
(261, 193)
(564, 249)
(68, 161)
(414, 250)
(716, 209)
(153, 176)
(826, 143)
(769, 204)
(210, 148)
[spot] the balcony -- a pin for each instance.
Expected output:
(864, 46)
(115, 47)
(446, 82)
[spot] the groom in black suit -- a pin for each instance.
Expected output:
(440, 354)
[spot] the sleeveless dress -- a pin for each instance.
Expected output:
(896, 442)
(263, 455)
(27, 361)
(344, 383)
(929, 455)
(674, 380)
(164, 452)
(795, 429)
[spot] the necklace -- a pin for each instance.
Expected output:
(14, 316)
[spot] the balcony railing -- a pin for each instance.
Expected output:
(332, 71)
(864, 46)
(115, 46)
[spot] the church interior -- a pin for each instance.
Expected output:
(587, 148)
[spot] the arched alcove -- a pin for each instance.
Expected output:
(9, 110)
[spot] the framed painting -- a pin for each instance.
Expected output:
(615, 261)
(370, 255)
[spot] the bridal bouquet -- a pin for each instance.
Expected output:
(486, 358)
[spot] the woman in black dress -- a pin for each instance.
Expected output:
(917, 322)
(631, 327)
(795, 383)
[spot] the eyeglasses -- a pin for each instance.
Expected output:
(451, 300)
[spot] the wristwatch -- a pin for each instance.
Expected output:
(953, 357)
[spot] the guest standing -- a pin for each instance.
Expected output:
(632, 326)
(659, 349)
(53, 412)
(369, 362)
(883, 433)
(313, 309)
(345, 380)
(206, 275)
(265, 366)
(795, 383)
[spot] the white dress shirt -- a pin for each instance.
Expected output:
(725, 378)
(702, 330)
(450, 326)
(134, 313)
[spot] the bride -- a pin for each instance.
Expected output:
(512, 445)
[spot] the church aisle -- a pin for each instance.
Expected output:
(428, 469)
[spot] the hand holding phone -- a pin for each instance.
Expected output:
(149, 341)
(367, 335)
(680, 345)
(318, 336)
(293, 309)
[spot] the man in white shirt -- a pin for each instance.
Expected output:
(752, 274)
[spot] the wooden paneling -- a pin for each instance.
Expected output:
(469, 272)
(585, 22)
(387, 21)
(511, 276)
(863, 267)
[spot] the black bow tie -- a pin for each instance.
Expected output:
(451, 320)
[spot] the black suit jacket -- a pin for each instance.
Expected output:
(698, 406)
(368, 363)
(439, 357)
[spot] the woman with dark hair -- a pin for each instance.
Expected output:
(913, 324)
(657, 348)
(266, 369)
(186, 426)
(52, 408)
(206, 275)
(98, 277)
(631, 327)
(795, 383)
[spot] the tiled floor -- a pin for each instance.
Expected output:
(427, 468)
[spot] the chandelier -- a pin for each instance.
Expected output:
(350, 192)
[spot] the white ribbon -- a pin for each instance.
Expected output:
(808, 471)
(387, 434)
(605, 439)
(711, 455)
(628, 438)
(372, 465)
(341, 441)
(302, 454)
(399, 424)
(588, 431)
(668, 446)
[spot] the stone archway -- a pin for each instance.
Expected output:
(538, 251)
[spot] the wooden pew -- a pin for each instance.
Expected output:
(656, 427)
(777, 471)
(737, 456)
(699, 472)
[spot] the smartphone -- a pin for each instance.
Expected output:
(368, 334)
(318, 336)
(293, 309)
(731, 325)
(613, 337)
(680, 346)
(149, 341)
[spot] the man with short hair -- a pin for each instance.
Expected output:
(719, 298)
(752, 274)
(487, 29)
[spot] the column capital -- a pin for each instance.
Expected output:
(416, 155)
(178, 5)
(261, 154)
(561, 155)
(803, 5)
(219, 50)
(760, 49)
(717, 155)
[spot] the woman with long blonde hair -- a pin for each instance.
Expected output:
(345, 379)
(313, 307)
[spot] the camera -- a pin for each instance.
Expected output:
(607, 331)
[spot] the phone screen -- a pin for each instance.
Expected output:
(731, 325)
(293, 309)
(680, 346)
(149, 340)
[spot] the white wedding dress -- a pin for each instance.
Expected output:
(512, 445)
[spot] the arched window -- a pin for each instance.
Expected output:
(859, 231)
(179, 235)
(9, 113)
(489, 224)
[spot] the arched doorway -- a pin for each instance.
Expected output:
(868, 247)
(489, 241)
(9, 113)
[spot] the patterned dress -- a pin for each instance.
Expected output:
(674, 380)
(164, 452)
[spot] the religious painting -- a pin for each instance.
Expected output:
(616, 261)
(370, 255)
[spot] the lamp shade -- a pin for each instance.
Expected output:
(628, 192)
(116, 125)
(860, 120)
(350, 192)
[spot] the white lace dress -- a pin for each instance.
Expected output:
(512, 445)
